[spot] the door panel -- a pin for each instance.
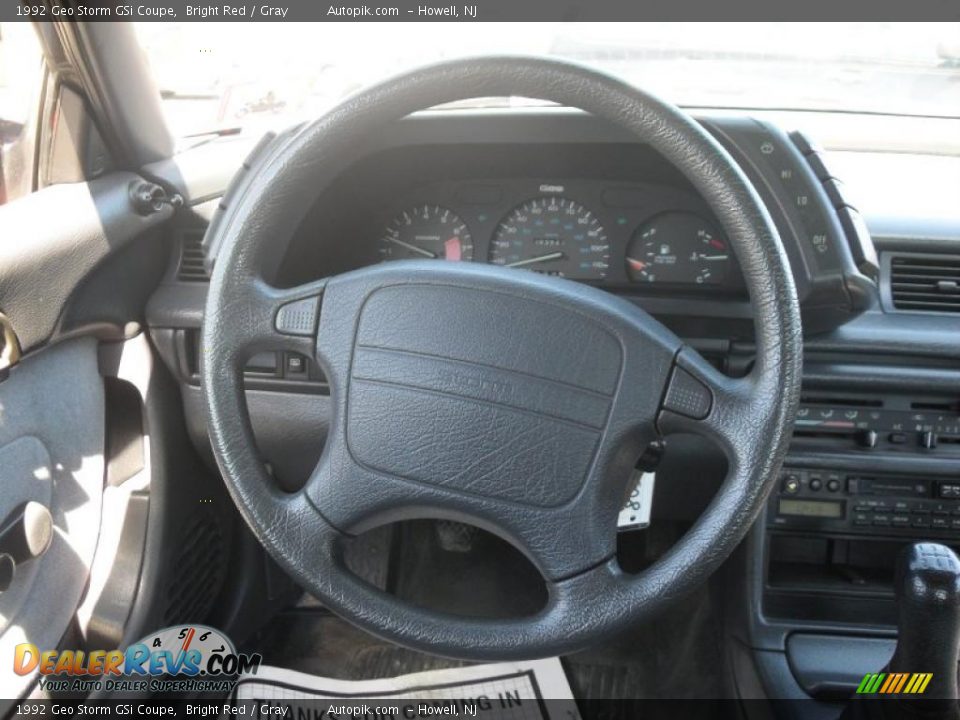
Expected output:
(51, 450)
(76, 264)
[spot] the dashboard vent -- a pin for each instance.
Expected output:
(928, 283)
(191, 267)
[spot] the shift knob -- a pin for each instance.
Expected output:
(928, 603)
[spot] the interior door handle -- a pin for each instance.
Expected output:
(10, 348)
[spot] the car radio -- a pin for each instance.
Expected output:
(867, 503)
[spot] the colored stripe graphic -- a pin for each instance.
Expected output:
(894, 683)
(901, 680)
(891, 681)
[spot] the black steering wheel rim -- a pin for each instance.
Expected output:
(750, 418)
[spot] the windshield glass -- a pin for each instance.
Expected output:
(224, 75)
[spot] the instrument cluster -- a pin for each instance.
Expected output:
(617, 234)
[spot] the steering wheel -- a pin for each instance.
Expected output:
(515, 402)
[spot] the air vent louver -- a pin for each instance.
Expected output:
(191, 267)
(926, 283)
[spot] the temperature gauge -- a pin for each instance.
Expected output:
(678, 248)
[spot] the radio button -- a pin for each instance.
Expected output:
(898, 438)
(883, 520)
(940, 523)
(955, 523)
(861, 518)
(901, 520)
(949, 490)
(921, 522)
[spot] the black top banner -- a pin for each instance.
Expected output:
(479, 11)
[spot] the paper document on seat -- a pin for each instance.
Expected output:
(532, 690)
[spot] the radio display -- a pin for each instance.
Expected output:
(811, 508)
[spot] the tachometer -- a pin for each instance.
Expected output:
(555, 236)
(426, 231)
(678, 247)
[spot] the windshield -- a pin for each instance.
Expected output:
(216, 76)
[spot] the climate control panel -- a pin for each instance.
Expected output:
(863, 427)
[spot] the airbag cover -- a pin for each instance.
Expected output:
(466, 388)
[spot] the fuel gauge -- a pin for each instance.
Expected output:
(678, 248)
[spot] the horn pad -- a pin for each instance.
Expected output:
(480, 391)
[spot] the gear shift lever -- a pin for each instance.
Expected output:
(928, 603)
(927, 588)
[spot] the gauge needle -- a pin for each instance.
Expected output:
(538, 259)
(412, 248)
(636, 264)
(714, 257)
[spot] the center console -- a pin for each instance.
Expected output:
(867, 475)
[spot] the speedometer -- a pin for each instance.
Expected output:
(554, 236)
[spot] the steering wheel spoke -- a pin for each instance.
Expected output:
(699, 399)
(271, 318)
